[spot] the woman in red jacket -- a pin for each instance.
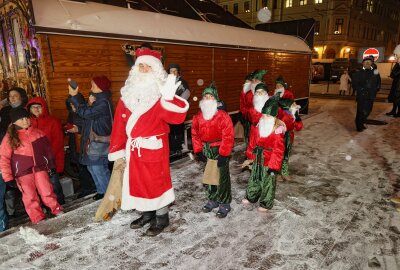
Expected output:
(27, 158)
(51, 126)
(212, 138)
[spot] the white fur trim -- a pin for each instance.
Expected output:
(142, 204)
(148, 60)
(116, 155)
(397, 50)
(174, 108)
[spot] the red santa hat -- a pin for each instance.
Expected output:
(147, 56)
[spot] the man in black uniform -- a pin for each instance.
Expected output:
(176, 134)
(366, 83)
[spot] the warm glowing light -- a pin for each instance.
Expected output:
(316, 49)
(348, 50)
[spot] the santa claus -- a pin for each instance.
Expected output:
(140, 135)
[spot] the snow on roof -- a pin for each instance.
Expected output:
(93, 19)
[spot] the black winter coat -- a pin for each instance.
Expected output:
(394, 95)
(366, 83)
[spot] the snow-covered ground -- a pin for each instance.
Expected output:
(334, 214)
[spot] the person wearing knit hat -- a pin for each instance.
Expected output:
(17, 98)
(147, 106)
(290, 116)
(26, 156)
(97, 119)
(366, 83)
(177, 132)
(394, 94)
(213, 138)
(266, 149)
(281, 88)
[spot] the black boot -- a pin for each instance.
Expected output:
(158, 226)
(146, 217)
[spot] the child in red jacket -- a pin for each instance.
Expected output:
(26, 157)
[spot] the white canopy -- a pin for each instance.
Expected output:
(99, 20)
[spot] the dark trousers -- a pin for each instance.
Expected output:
(176, 137)
(55, 180)
(3, 214)
(86, 180)
(364, 108)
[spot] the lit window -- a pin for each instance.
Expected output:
(288, 3)
(339, 26)
(303, 2)
(318, 1)
(246, 6)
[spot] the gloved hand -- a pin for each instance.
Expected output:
(169, 88)
(221, 161)
(272, 172)
(12, 184)
(200, 157)
(52, 172)
(297, 119)
(246, 87)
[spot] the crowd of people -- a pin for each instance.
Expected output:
(140, 135)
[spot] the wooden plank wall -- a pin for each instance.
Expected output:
(81, 58)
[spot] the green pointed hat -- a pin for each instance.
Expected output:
(271, 107)
(249, 76)
(262, 86)
(259, 74)
(281, 81)
(211, 90)
(285, 103)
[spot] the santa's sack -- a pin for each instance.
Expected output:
(112, 199)
(211, 173)
(238, 130)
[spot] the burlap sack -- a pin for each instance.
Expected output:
(112, 199)
(239, 131)
(211, 173)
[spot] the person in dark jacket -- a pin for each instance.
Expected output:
(366, 83)
(73, 127)
(394, 95)
(176, 134)
(97, 118)
(17, 98)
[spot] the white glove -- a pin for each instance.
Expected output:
(169, 88)
(246, 87)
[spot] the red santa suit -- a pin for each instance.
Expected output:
(140, 135)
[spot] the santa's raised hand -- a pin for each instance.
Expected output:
(169, 88)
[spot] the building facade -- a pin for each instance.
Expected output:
(342, 26)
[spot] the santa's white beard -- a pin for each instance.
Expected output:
(208, 108)
(259, 101)
(280, 91)
(141, 89)
(266, 126)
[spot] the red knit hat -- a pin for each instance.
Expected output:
(102, 82)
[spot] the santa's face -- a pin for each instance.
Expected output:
(266, 125)
(208, 106)
(144, 68)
